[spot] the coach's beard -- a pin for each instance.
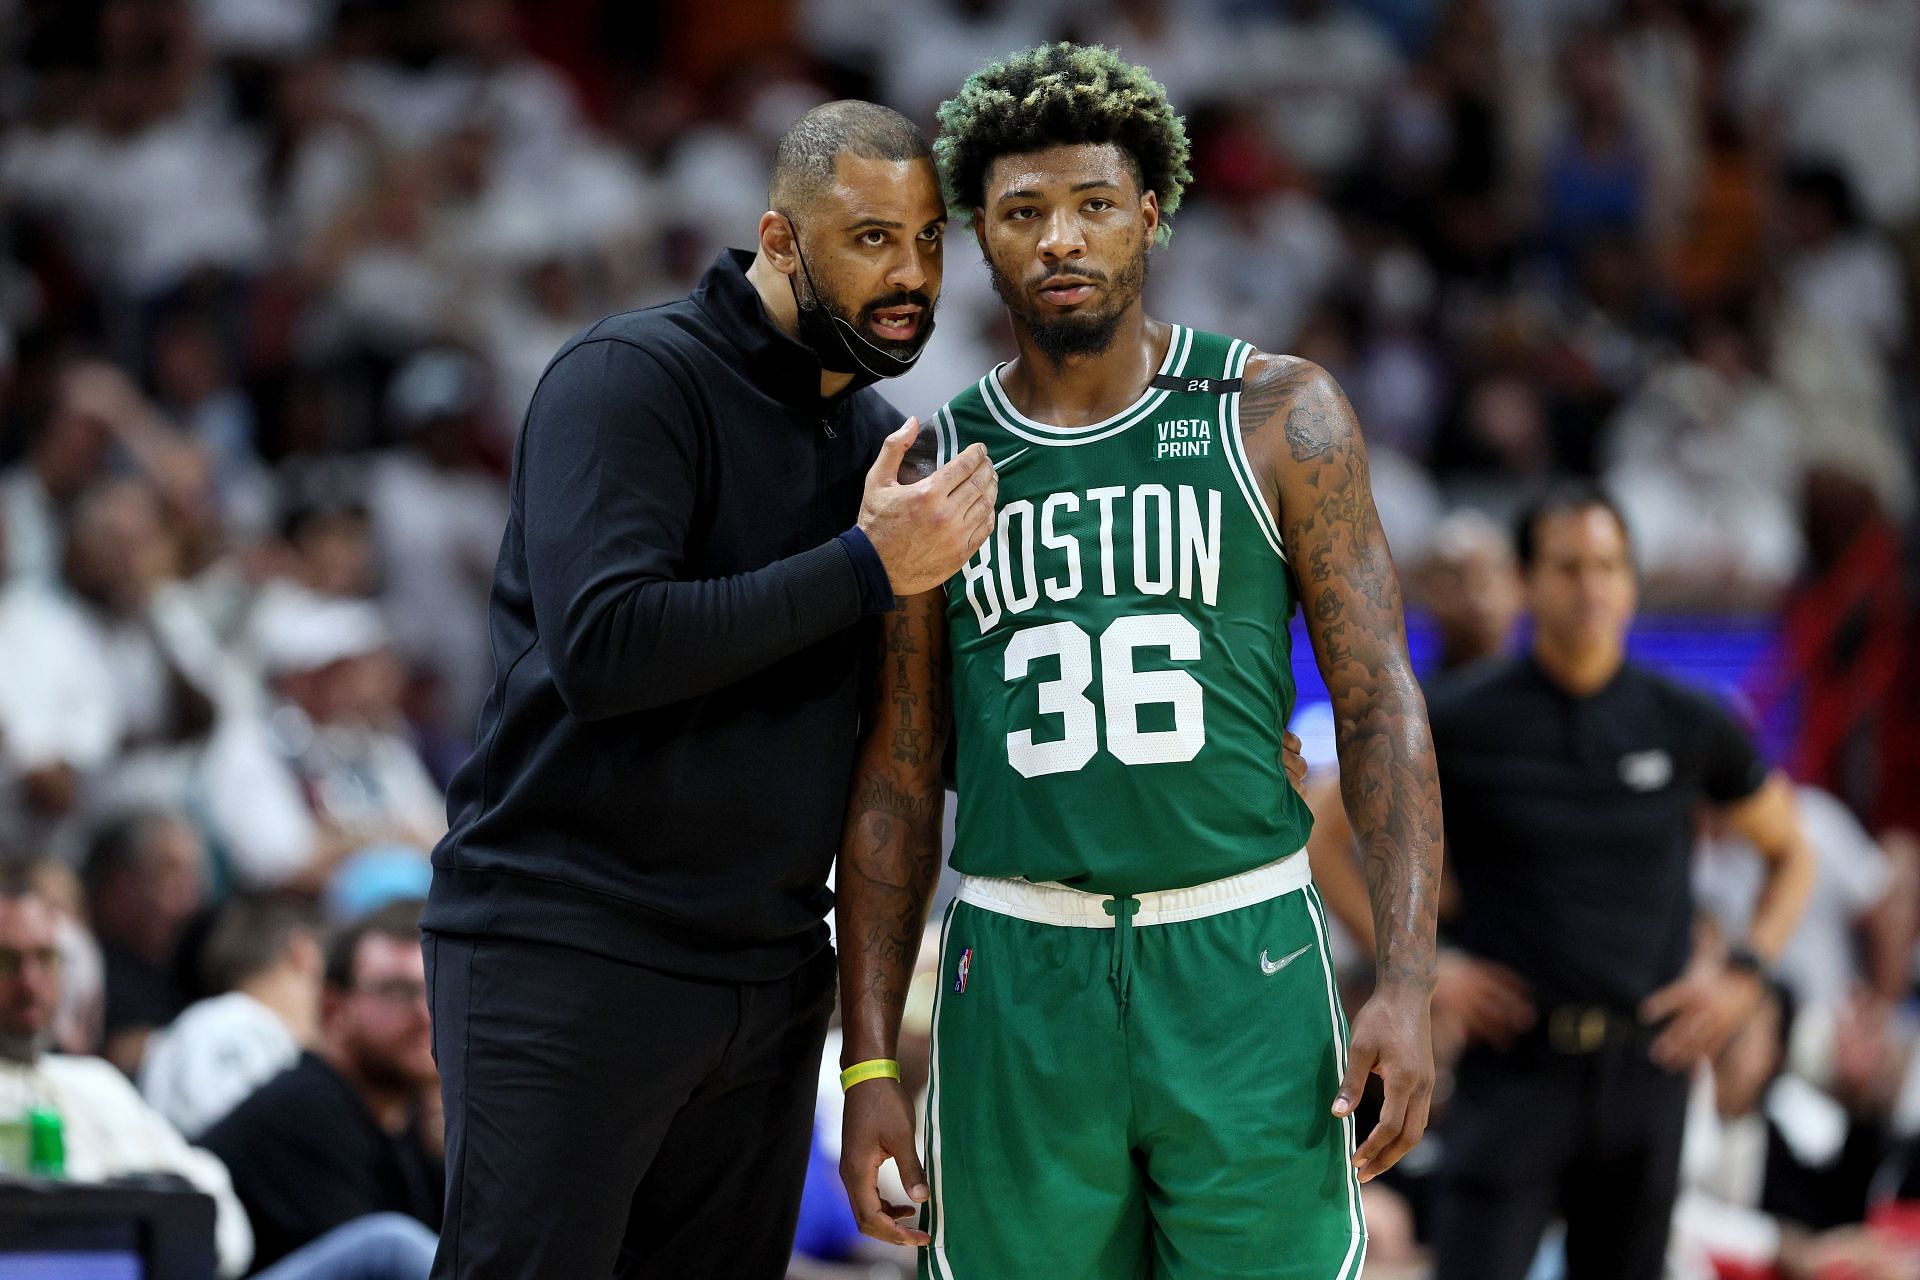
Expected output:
(1062, 337)
(838, 343)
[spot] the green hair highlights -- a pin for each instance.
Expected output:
(1061, 95)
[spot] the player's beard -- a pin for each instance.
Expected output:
(1060, 337)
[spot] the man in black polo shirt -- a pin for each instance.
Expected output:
(1570, 780)
(629, 970)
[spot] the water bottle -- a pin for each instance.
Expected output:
(47, 1143)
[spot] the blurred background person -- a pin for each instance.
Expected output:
(262, 962)
(1770, 1170)
(1469, 583)
(59, 721)
(1569, 778)
(325, 766)
(353, 1127)
(1858, 930)
(145, 881)
(108, 1129)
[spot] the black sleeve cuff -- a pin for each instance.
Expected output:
(876, 589)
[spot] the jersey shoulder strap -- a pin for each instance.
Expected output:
(961, 421)
(1219, 363)
(1209, 367)
(1212, 368)
(1196, 384)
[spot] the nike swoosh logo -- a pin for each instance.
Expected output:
(1010, 457)
(1274, 966)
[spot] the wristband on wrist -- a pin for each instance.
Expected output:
(871, 1069)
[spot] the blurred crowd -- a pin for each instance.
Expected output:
(277, 278)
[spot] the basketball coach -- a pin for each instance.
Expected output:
(629, 973)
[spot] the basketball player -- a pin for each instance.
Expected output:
(1140, 1064)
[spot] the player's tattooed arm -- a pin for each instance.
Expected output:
(1306, 448)
(890, 848)
(890, 851)
(1301, 432)
(889, 860)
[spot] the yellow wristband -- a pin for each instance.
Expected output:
(871, 1069)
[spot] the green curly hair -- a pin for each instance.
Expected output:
(1061, 95)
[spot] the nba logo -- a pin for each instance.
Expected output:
(960, 975)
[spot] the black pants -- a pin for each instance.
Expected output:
(607, 1120)
(1532, 1135)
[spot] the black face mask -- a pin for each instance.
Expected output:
(839, 344)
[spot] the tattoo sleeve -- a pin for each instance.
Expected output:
(890, 849)
(1297, 423)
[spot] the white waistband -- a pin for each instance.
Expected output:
(1049, 903)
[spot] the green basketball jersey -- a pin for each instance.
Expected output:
(1121, 677)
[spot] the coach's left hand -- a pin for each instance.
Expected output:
(1392, 1039)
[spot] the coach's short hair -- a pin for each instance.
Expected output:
(1560, 500)
(803, 162)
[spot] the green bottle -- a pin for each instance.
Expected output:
(47, 1143)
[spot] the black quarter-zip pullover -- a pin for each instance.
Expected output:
(663, 759)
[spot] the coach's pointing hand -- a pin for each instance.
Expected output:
(878, 1124)
(925, 531)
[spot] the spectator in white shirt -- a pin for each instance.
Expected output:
(109, 1129)
(98, 419)
(118, 557)
(153, 182)
(69, 451)
(263, 957)
(59, 721)
(77, 1020)
(111, 1132)
(326, 771)
(1856, 881)
(1834, 79)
